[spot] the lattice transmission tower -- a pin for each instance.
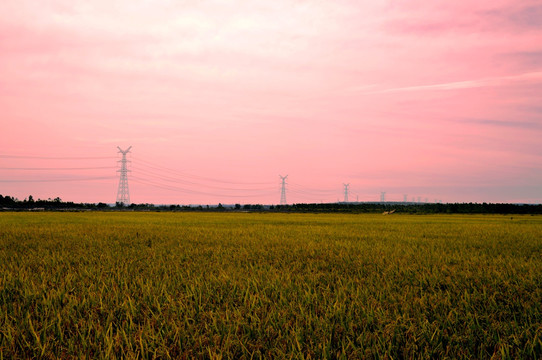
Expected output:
(123, 193)
(283, 190)
(346, 192)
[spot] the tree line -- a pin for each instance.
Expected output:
(10, 203)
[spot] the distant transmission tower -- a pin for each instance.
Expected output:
(405, 198)
(283, 190)
(346, 192)
(123, 194)
(383, 196)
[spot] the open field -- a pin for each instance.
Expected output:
(242, 285)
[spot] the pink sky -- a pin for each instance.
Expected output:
(438, 100)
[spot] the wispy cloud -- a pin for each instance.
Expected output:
(526, 60)
(506, 123)
(519, 17)
(444, 17)
(125, 140)
(467, 84)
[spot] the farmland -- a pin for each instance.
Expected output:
(242, 285)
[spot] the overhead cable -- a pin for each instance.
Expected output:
(182, 174)
(4, 156)
(56, 180)
(189, 191)
(58, 168)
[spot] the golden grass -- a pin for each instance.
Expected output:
(245, 285)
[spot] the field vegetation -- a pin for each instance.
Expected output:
(248, 285)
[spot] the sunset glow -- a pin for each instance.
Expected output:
(436, 100)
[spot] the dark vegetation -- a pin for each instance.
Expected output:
(11, 203)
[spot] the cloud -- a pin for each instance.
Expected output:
(506, 123)
(523, 59)
(533, 109)
(127, 140)
(467, 84)
(437, 18)
(526, 17)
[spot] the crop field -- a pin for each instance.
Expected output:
(262, 285)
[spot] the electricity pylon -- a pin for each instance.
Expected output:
(123, 194)
(283, 190)
(346, 192)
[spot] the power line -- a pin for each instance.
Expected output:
(307, 198)
(171, 179)
(197, 177)
(57, 180)
(160, 181)
(318, 192)
(189, 191)
(3, 156)
(58, 168)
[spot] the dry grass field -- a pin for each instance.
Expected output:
(248, 285)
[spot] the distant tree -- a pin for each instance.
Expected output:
(8, 201)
